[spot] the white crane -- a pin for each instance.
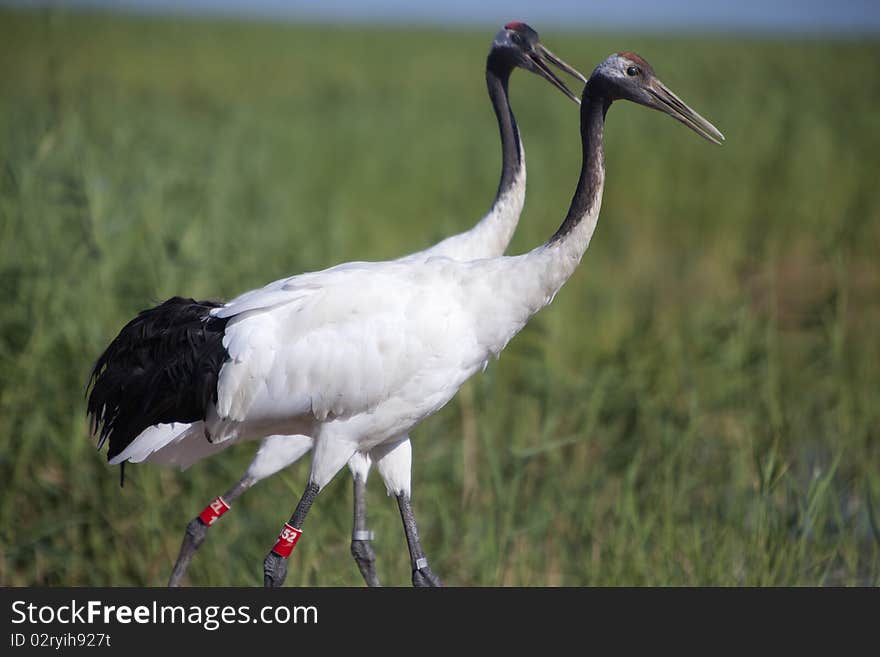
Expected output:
(515, 45)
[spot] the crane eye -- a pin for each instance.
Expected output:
(516, 37)
(632, 71)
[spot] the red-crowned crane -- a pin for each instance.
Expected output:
(357, 355)
(182, 444)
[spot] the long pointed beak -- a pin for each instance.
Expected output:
(538, 57)
(666, 101)
(556, 61)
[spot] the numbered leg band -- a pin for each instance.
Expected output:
(213, 511)
(287, 540)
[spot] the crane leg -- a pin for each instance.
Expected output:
(422, 575)
(329, 456)
(275, 563)
(275, 454)
(361, 537)
(197, 529)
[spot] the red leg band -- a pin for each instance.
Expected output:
(287, 540)
(213, 511)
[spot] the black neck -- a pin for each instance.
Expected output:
(497, 76)
(593, 109)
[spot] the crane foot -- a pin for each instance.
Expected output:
(363, 554)
(274, 570)
(196, 532)
(424, 576)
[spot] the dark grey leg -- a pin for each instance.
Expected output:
(197, 529)
(361, 547)
(421, 572)
(275, 563)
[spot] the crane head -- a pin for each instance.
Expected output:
(518, 45)
(627, 76)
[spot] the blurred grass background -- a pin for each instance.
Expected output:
(700, 404)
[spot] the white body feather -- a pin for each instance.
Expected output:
(356, 355)
(182, 445)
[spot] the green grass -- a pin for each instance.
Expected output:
(699, 405)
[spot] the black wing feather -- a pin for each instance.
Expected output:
(161, 368)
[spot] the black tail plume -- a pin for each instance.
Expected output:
(161, 368)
